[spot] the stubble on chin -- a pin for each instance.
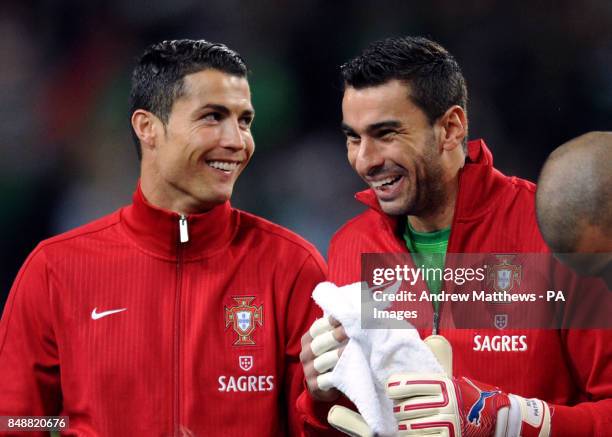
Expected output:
(426, 195)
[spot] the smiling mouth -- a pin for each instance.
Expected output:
(386, 183)
(224, 166)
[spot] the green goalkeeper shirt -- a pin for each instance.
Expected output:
(428, 251)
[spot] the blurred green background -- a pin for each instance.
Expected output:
(539, 73)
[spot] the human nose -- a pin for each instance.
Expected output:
(368, 157)
(231, 135)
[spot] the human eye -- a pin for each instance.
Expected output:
(212, 117)
(246, 121)
(352, 139)
(386, 134)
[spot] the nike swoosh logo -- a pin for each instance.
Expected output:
(95, 315)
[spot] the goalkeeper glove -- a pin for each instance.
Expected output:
(441, 406)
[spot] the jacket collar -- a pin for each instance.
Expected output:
(476, 185)
(156, 230)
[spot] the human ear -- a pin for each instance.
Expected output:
(453, 127)
(143, 123)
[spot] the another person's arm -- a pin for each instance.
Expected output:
(29, 360)
(322, 345)
(301, 311)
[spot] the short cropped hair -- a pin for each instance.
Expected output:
(575, 190)
(157, 79)
(434, 76)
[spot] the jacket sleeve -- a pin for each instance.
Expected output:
(311, 415)
(301, 312)
(589, 357)
(29, 362)
(314, 415)
(344, 260)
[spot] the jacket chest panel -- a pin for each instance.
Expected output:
(214, 318)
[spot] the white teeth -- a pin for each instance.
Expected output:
(378, 184)
(223, 165)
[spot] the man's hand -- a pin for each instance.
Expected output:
(442, 406)
(322, 346)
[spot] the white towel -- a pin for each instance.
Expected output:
(371, 355)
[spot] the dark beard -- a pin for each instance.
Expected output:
(431, 195)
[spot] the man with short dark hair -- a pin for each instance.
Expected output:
(177, 314)
(404, 116)
(574, 204)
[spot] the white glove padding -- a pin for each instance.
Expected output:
(320, 326)
(442, 350)
(352, 423)
(323, 343)
(528, 418)
(325, 347)
(348, 421)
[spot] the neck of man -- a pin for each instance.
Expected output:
(169, 197)
(441, 217)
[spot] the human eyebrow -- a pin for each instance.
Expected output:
(347, 130)
(218, 108)
(248, 113)
(377, 128)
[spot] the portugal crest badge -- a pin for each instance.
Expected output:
(244, 318)
(504, 276)
(245, 362)
(501, 321)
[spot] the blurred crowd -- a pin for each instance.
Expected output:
(538, 73)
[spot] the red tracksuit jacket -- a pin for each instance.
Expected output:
(129, 332)
(570, 369)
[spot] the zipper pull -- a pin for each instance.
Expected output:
(183, 231)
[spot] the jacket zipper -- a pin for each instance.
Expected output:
(183, 238)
